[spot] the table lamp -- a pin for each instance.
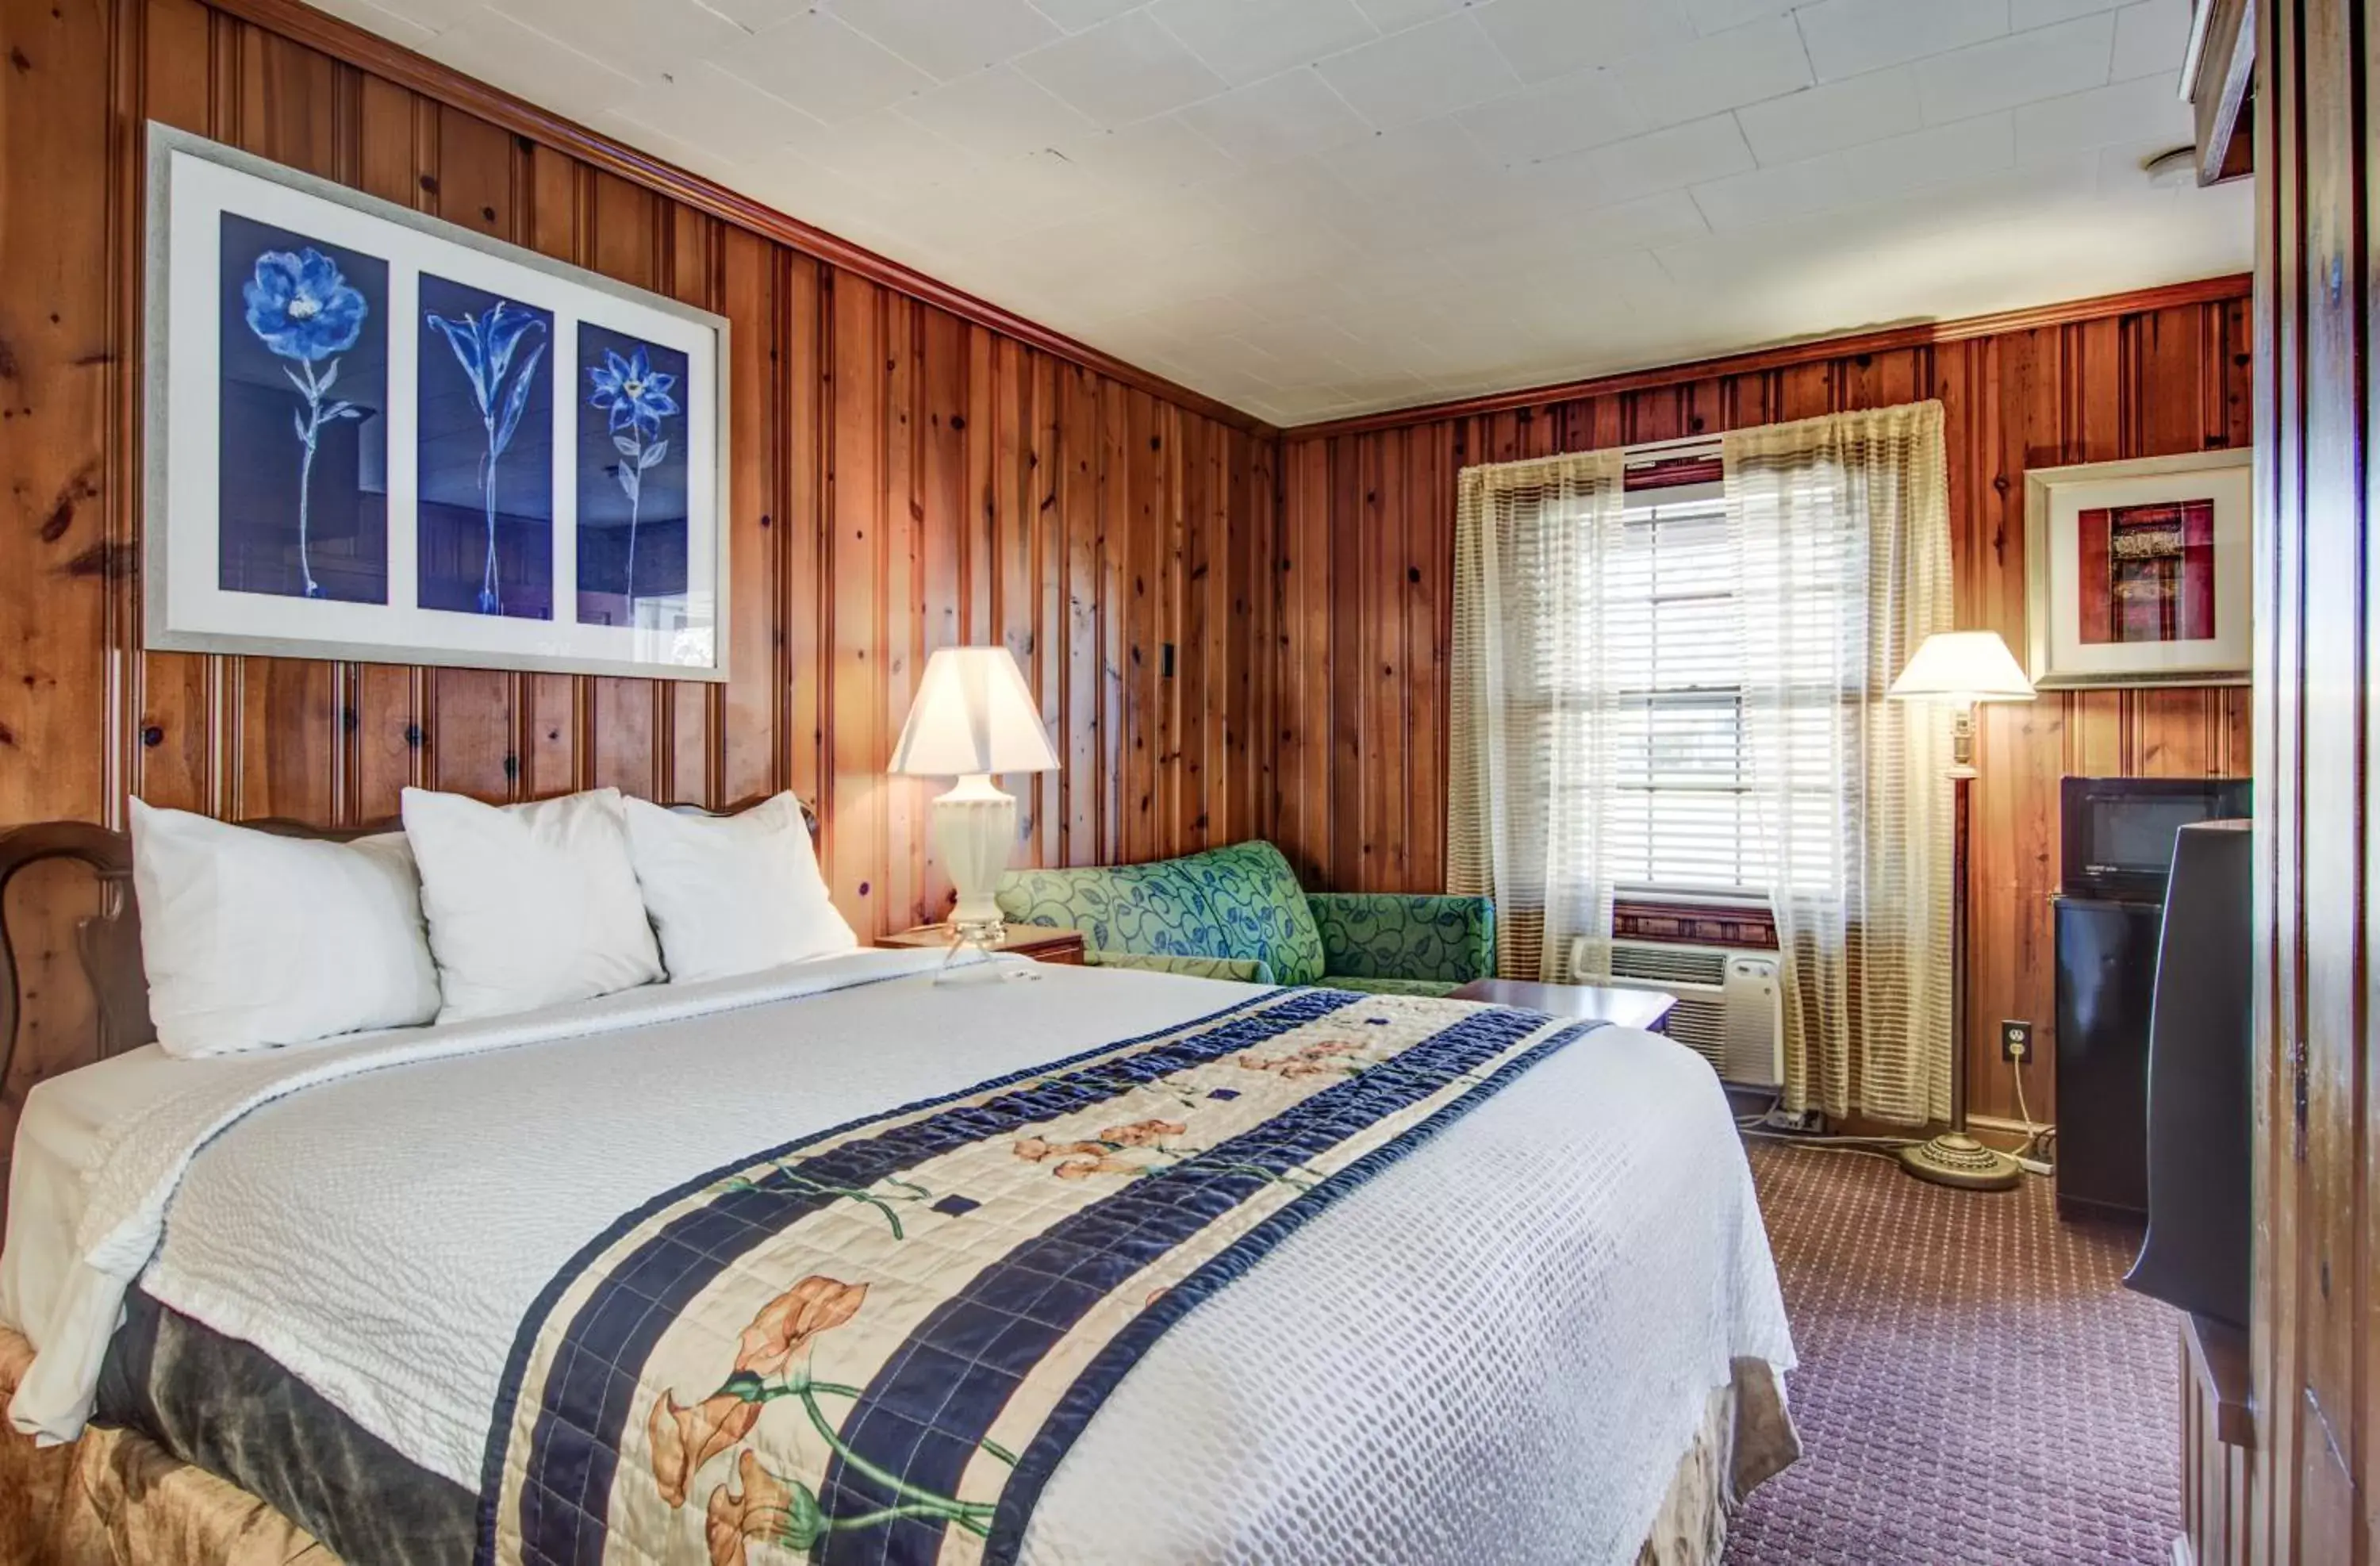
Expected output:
(1958, 669)
(974, 716)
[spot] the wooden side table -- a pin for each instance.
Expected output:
(1647, 1009)
(1043, 943)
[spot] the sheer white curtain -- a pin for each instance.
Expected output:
(1843, 528)
(1529, 747)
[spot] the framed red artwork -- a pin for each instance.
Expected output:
(2139, 573)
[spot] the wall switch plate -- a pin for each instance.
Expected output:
(2016, 1041)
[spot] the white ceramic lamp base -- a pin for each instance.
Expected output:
(975, 827)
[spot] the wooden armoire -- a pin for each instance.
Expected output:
(2297, 1481)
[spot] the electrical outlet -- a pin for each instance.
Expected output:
(2016, 1041)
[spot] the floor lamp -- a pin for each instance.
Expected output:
(1958, 669)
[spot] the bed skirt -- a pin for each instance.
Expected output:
(116, 1498)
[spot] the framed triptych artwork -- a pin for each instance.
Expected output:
(374, 435)
(2139, 573)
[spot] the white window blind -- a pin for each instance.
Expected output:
(1675, 686)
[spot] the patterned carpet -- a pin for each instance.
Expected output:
(1975, 1387)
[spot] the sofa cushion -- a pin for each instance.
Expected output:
(1370, 986)
(1254, 899)
(1154, 910)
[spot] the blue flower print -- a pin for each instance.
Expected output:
(485, 346)
(634, 393)
(637, 397)
(302, 309)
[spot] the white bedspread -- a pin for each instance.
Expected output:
(1495, 1350)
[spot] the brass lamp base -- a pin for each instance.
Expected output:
(1955, 1158)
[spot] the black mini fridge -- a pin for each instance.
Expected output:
(2107, 983)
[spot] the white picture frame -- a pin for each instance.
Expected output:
(343, 395)
(2106, 610)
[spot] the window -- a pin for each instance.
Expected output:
(1677, 815)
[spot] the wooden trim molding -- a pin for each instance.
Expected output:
(344, 39)
(1889, 339)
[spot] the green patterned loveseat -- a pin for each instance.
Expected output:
(1237, 913)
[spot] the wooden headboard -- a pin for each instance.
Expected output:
(108, 942)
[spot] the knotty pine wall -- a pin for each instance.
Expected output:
(1367, 608)
(903, 478)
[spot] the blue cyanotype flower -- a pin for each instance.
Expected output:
(302, 309)
(637, 396)
(634, 393)
(485, 346)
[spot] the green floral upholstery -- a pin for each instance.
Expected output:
(1237, 913)
(1406, 936)
(1253, 897)
(1243, 970)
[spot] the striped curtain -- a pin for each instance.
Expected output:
(1531, 768)
(1844, 533)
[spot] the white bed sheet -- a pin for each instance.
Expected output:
(1536, 1302)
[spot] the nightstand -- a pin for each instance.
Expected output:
(1043, 943)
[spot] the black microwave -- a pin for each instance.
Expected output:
(2116, 834)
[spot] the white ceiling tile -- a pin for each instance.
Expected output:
(2025, 14)
(1568, 234)
(706, 108)
(948, 41)
(1076, 15)
(753, 16)
(883, 147)
(1550, 38)
(1567, 115)
(648, 38)
(1150, 154)
(1833, 115)
(2049, 62)
(495, 48)
(1394, 16)
(1245, 41)
(2139, 110)
(1284, 116)
(415, 28)
(1847, 36)
(997, 112)
(1875, 171)
(1393, 164)
(1665, 159)
(815, 60)
(1709, 76)
(1717, 15)
(2151, 39)
(1420, 73)
(1122, 70)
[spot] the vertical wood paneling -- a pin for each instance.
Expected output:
(1366, 527)
(899, 480)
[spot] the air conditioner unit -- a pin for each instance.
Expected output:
(1730, 1006)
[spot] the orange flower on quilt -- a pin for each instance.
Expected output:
(767, 1509)
(1142, 1133)
(683, 1439)
(815, 1305)
(1312, 1060)
(686, 1437)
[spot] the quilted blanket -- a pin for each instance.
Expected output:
(876, 1344)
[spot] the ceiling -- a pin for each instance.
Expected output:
(1314, 208)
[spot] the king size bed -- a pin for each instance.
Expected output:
(830, 1260)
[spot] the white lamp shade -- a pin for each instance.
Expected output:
(1961, 667)
(973, 713)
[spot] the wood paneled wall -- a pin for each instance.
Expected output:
(903, 478)
(2315, 1493)
(1366, 608)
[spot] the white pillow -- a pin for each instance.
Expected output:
(734, 894)
(252, 940)
(528, 905)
